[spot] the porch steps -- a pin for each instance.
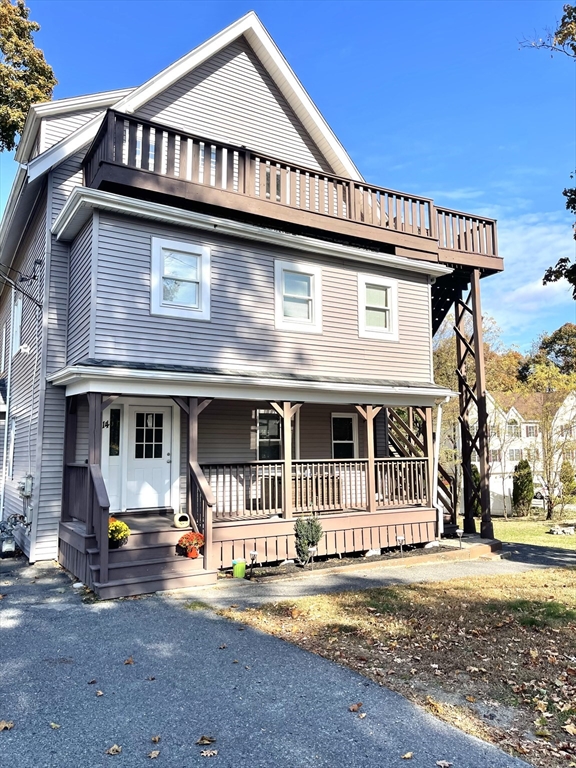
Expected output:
(158, 567)
(142, 585)
(138, 552)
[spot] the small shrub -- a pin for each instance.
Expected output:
(522, 488)
(117, 530)
(308, 533)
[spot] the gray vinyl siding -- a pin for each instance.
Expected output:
(61, 181)
(57, 128)
(241, 333)
(26, 370)
(79, 304)
(232, 98)
(81, 430)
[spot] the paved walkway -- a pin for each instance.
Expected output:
(277, 707)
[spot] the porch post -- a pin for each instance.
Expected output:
(70, 431)
(429, 453)
(194, 410)
(94, 452)
(369, 413)
(286, 410)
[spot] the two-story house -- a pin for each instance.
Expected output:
(219, 317)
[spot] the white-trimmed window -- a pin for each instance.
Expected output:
(298, 289)
(531, 430)
(269, 435)
(180, 280)
(515, 454)
(377, 307)
(11, 443)
(16, 323)
(344, 436)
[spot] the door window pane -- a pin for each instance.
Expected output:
(148, 436)
(269, 436)
(114, 445)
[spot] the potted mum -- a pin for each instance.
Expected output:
(190, 543)
(118, 533)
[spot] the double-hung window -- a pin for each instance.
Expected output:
(344, 435)
(377, 307)
(298, 296)
(180, 280)
(269, 436)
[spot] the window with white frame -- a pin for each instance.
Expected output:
(531, 430)
(180, 279)
(298, 296)
(513, 429)
(494, 457)
(515, 454)
(16, 323)
(377, 307)
(344, 436)
(269, 436)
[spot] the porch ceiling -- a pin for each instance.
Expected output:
(122, 378)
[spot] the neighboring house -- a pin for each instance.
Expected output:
(537, 427)
(221, 318)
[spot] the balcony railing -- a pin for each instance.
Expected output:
(125, 140)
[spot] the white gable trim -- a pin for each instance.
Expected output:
(82, 201)
(274, 62)
(62, 107)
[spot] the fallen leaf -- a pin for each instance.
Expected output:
(234, 605)
(151, 678)
(55, 726)
(114, 750)
(355, 707)
(221, 647)
(246, 667)
(570, 728)
(235, 661)
(154, 753)
(206, 740)
(91, 682)
(362, 715)
(155, 739)
(471, 698)
(99, 693)
(2, 596)
(6, 725)
(408, 756)
(209, 752)
(443, 764)
(129, 660)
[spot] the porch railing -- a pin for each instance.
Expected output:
(139, 144)
(322, 486)
(401, 482)
(76, 491)
(99, 513)
(246, 490)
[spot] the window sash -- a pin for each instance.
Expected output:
(295, 300)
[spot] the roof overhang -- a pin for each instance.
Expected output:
(82, 201)
(80, 379)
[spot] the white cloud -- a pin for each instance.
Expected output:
(522, 306)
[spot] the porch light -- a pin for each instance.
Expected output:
(401, 540)
(460, 533)
(253, 556)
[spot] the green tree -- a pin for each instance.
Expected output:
(561, 40)
(25, 76)
(567, 485)
(308, 533)
(522, 487)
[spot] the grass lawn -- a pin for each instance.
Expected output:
(494, 656)
(526, 531)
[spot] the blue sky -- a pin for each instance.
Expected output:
(434, 98)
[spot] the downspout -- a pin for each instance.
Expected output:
(7, 422)
(436, 462)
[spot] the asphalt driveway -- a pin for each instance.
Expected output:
(268, 704)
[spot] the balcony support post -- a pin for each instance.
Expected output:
(369, 413)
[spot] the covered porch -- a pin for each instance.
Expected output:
(242, 469)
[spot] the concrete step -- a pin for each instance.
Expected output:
(153, 583)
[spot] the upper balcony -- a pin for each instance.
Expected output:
(137, 157)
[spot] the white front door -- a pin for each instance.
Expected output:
(148, 475)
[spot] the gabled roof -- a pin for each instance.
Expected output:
(530, 405)
(273, 61)
(59, 107)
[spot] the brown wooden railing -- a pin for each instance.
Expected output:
(246, 490)
(99, 510)
(76, 491)
(201, 500)
(335, 484)
(447, 495)
(402, 482)
(459, 231)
